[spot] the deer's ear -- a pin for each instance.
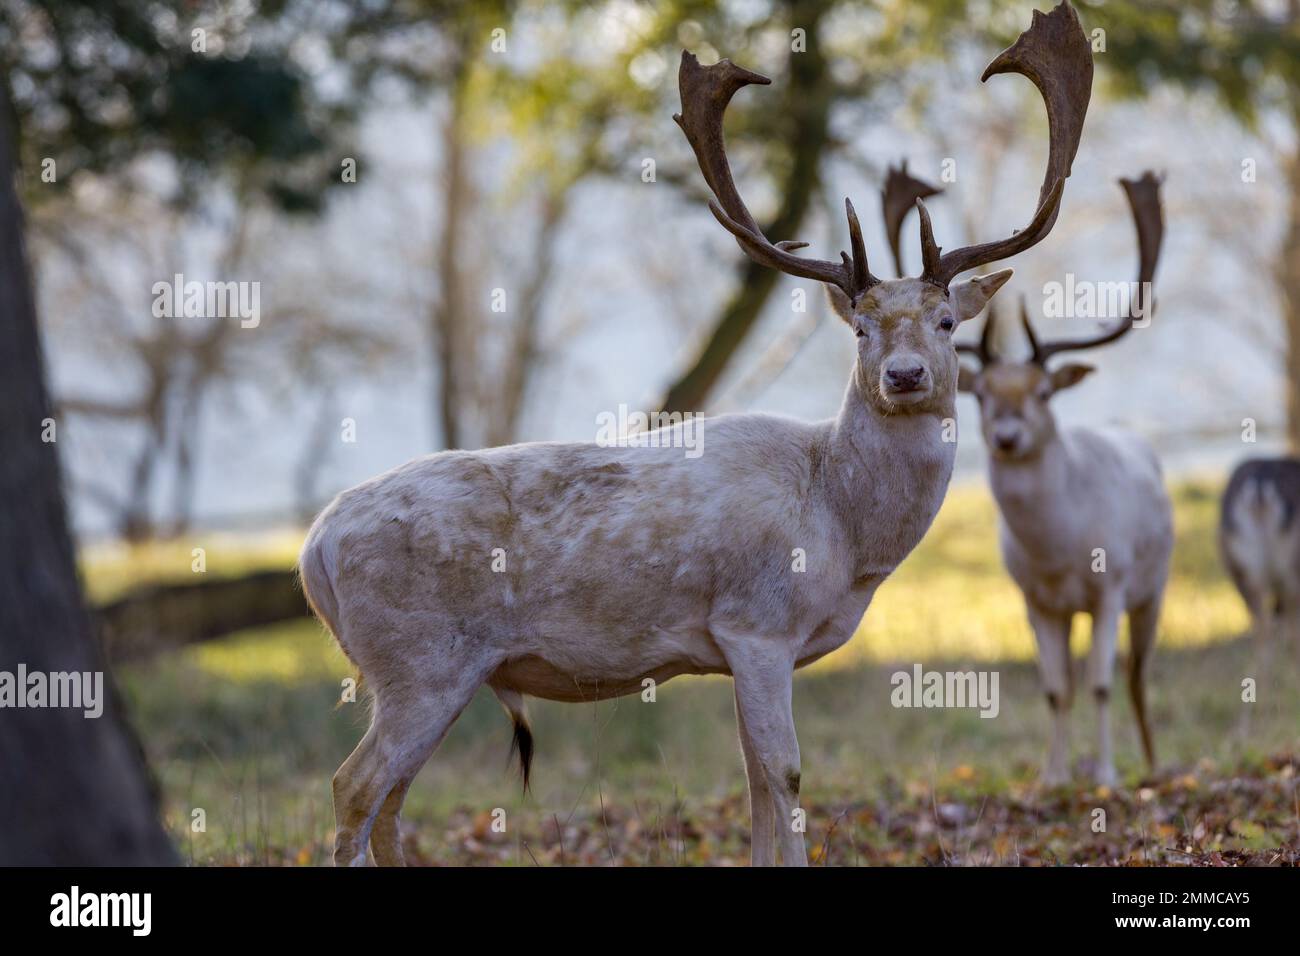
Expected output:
(970, 297)
(966, 379)
(840, 303)
(1068, 375)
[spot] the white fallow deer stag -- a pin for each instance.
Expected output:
(618, 564)
(1086, 524)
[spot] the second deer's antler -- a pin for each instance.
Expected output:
(897, 198)
(1143, 196)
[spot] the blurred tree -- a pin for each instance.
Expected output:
(86, 87)
(807, 96)
(218, 93)
(583, 89)
(95, 83)
(828, 62)
(484, 357)
(141, 430)
(1247, 52)
(77, 791)
(568, 87)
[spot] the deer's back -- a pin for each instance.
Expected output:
(572, 550)
(1259, 525)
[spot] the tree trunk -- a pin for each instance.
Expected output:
(1288, 277)
(163, 617)
(76, 791)
(520, 359)
(808, 102)
(453, 339)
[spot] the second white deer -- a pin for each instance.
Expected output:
(1086, 524)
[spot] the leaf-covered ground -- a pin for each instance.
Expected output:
(1194, 818)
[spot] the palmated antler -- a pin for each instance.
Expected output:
(897, 199)
(1056, 56)
(1148, 218)
(1143, 197)
(706, 91)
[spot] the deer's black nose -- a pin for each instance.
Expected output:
(905, 378)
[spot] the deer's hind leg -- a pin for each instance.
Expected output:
(350, 838)
(1143, 623)
(414, 709)
(386, 836)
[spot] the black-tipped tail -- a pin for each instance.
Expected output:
(523, 745)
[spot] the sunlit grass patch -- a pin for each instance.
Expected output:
(952, 599)
(110, 568)
(283, 653)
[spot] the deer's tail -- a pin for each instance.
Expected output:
(522, 743)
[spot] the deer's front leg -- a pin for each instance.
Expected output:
(1101, 670)
(764, 674)
(1052, 634)
(762, 822)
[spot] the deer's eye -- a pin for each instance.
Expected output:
(861, 334)
(946, 323)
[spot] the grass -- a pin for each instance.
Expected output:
(248, 730)
(109, 568)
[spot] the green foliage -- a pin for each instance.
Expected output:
(1246, 52)
(589, 88)
(96, 83)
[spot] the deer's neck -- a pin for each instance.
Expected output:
(1034, 496)
(886, 475)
